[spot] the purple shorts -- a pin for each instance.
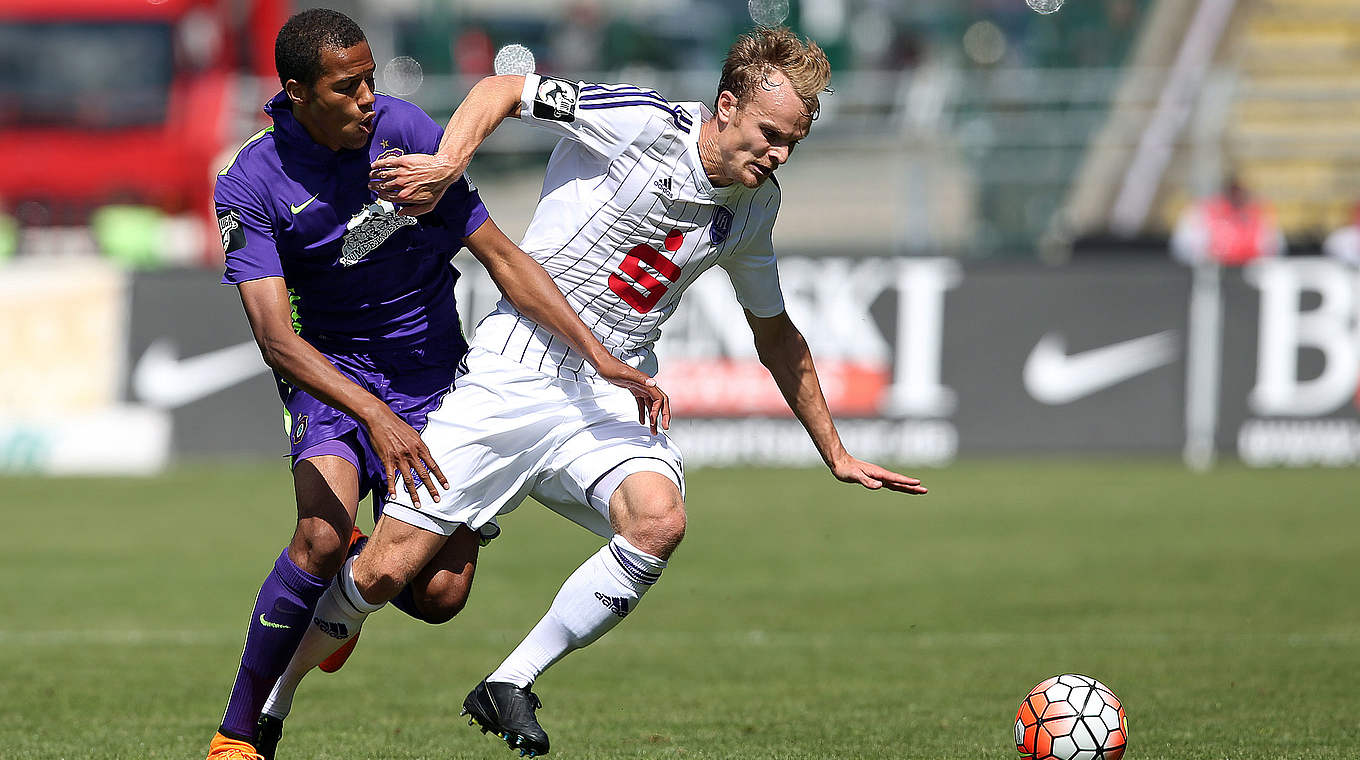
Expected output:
(411, 381)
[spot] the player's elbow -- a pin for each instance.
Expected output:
(766, 353)
(276, 350)
(781, 350)
(272, 353)
(501, 93)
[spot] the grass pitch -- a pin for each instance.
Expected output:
(801, 618)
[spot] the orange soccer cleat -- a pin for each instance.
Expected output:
(225, 748)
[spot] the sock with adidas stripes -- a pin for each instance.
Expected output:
(592, 601)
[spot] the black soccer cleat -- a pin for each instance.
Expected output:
(508, 711)
(267, 734)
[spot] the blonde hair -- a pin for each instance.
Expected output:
(755, 53)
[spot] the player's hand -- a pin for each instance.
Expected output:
(873, 477)
(654, 406)
(403, 453)
(415, 181)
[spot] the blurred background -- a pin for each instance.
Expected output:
(1124, 227)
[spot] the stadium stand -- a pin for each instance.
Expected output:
(1293, 130)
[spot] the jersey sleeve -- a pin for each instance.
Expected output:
(462, 208)
(752, 267)
(606, 118)
(247, 232)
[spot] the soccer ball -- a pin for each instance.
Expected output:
(1071, 717)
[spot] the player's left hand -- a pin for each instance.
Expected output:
(873, 477)
(654, 406)
(414, 181)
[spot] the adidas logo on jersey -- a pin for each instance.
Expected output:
(614, 604)
(664, 185)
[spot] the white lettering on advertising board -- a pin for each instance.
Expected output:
(1286, 328)
(707, 353)
(1307, 436)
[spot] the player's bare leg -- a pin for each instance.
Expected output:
(394, 556)
(327, 492)
(435, 595)
(647, 510)
(648, 516)
(440, 590)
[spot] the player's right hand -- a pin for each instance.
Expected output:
(403, 453)
(654, 406)
(873, 477)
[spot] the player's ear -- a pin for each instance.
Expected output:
(297, 92)
(727, 107)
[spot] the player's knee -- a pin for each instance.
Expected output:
(318, 548)
(658, 527)
(441, 600)
(378, 581)
(670, 526)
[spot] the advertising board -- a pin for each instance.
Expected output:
(922, 360)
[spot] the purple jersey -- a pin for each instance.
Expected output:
(359, 275)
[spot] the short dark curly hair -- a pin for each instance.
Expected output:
(297, 49)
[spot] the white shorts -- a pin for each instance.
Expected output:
(506, 431)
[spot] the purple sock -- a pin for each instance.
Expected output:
(283, 610)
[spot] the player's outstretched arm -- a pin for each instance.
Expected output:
(396, 443)
(417, 181)
(785, 354)
(533, 293)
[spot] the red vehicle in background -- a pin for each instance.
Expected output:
(126, 104)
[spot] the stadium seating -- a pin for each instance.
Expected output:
(1293, 130)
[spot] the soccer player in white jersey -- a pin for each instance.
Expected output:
(640, 197)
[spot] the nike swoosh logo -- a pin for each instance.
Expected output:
(163, 380)
(298, 209)
(1053, 377)
(268, 624)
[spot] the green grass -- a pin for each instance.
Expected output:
(801, 618)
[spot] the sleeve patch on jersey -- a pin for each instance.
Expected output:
(556, 99)
(233, 234)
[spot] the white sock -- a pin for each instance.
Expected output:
(591, 602)
(339, 615)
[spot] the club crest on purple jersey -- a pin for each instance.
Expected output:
(721, 226)
(370, 228)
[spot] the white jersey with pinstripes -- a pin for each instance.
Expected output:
(626, 221)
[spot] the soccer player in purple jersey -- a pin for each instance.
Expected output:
(352, 306)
